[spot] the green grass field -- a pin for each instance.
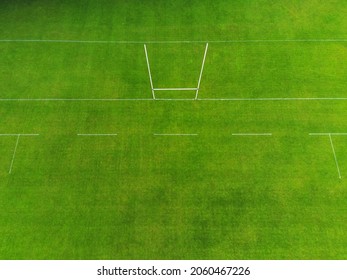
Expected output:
(276, 67)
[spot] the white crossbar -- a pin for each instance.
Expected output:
(174, 134)
(89, 134)
(168, 89)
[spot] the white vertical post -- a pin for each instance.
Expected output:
(149, 72)
(14, 154)
(332, 147)
(202, 69)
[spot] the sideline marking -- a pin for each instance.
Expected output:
(174, 42)
(76, 99)
(272, 99)
(187, 99)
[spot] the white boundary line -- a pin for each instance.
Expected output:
(252, 134)
(273, 99)
(174, 134)
(173, 99)
(337, 164)
(326, 134)
(149, 71)
(202, 69)
(14, 154)
(173, 42)
(89, 134)
(19, 134)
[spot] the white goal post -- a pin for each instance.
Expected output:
(153, 89)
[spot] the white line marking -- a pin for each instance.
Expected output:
(14, 154)
(175, 89)
(332, 147)
(202, 69)
(19, 134)
(175, 42)
(326, 134)
(252, 134)
(177, 134)
(76, 99)
(149, 71)
(273, 99)
(97, 134)
(187, 99)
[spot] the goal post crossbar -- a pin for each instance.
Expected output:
(167, 89)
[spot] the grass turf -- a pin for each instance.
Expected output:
(140, 196)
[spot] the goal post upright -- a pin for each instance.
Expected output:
(202, 69)
(149, 72)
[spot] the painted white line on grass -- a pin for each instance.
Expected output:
(187, 99)
(76, 99)
(174, 42)
(273, 99)
(175, 89)
(174, 134)
(332, 147)
(327, 134)
(14, 154)
(149, 71)
(252, 134)
(202, 69)
(98, 134)
(19, 134)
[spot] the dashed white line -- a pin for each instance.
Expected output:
(252, 134)
(326, 134)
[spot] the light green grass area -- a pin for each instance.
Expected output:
(136, 195)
